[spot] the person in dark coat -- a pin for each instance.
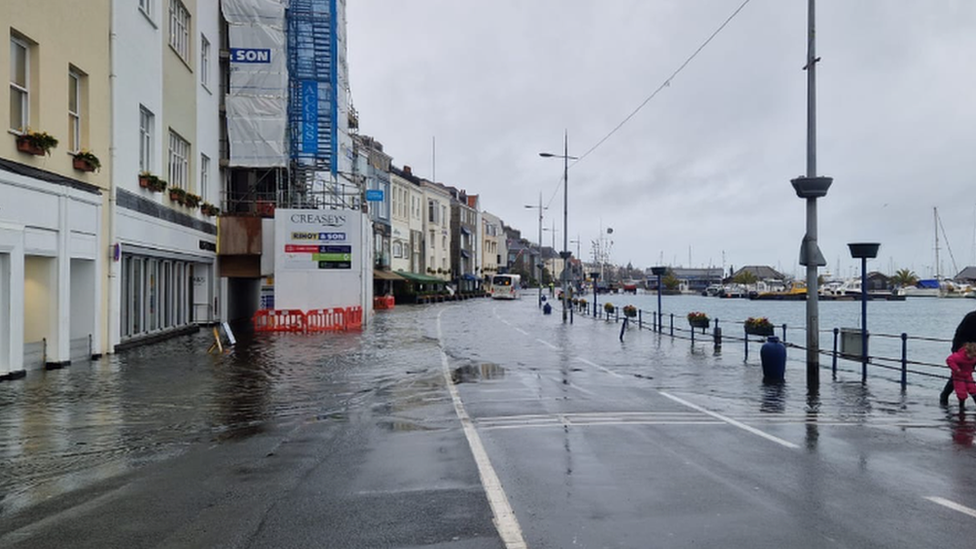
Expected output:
(966, 331)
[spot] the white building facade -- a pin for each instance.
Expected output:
(165, 126)
(437, 230)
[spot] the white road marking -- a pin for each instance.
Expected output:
(598, 367)
(505, 520)
(523, 332)
(732, 422)
(547, 344)
(952, 505)
(598, 423)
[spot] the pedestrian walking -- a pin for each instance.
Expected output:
(966, 331)
(962, 362)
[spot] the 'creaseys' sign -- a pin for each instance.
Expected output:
(328, 220)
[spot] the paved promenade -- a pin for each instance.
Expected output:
(473, 425)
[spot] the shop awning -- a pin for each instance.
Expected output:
(465, 253)
(380, 274)
(415, 277)
(464, 230)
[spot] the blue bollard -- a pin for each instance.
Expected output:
(772, 354)
(547, 309)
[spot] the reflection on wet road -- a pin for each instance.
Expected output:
(596, 442)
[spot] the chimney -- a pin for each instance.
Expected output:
(406, 170)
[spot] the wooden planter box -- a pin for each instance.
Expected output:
(82, 165)
(26, 146)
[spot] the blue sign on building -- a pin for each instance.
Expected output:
(250, 55)
(374, 195)
(310, 116)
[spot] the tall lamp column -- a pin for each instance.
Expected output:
(565, 255)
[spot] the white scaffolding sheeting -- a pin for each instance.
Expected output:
(257, 97)
(256, 130)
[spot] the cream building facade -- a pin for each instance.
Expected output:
(493, 249)
(408, 207)
(53, 213)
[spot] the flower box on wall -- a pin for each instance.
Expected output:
(36, 143)
(82, 165)
(177, 195)
(27, 147)
(86, 161)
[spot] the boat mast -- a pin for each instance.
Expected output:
(935, 216)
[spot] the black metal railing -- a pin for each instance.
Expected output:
(665, 324)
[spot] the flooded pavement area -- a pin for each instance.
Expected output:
(64, 428)
(354, 440)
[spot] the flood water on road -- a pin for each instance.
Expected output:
(63, 429)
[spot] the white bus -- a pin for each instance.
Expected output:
(506, 286)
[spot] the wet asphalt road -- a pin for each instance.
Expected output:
(354, 440)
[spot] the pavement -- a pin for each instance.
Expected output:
(477, 424)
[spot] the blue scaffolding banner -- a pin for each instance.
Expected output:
(310, 117)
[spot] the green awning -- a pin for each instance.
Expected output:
(415, 277)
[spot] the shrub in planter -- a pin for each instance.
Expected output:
(760, 326)
(191, 200)
(151, 182)
(608, 307)
(37, 143)
(630, 311)
(698, 320)
(177, 194)
(86, 161)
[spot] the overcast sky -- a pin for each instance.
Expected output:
(704, 168)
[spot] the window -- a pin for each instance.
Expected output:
(74, 111)
(146, 7)
(443, 242)
(432, 211)
(397, 249)
(204, 175)
(204, 61)
(179, 163)
(179, 29)
(19, 85)
(145, 139)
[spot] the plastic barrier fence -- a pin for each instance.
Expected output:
(279, 320)
(315, 320)
(323, 320)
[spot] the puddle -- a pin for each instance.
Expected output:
(475, 373)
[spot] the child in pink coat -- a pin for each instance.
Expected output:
(962, 363)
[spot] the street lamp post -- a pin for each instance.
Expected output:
(539, 280)
(595, 275)
(659, 272)
(864, 251)
(565, 253)
(811, 187)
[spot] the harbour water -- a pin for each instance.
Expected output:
(930, 318)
